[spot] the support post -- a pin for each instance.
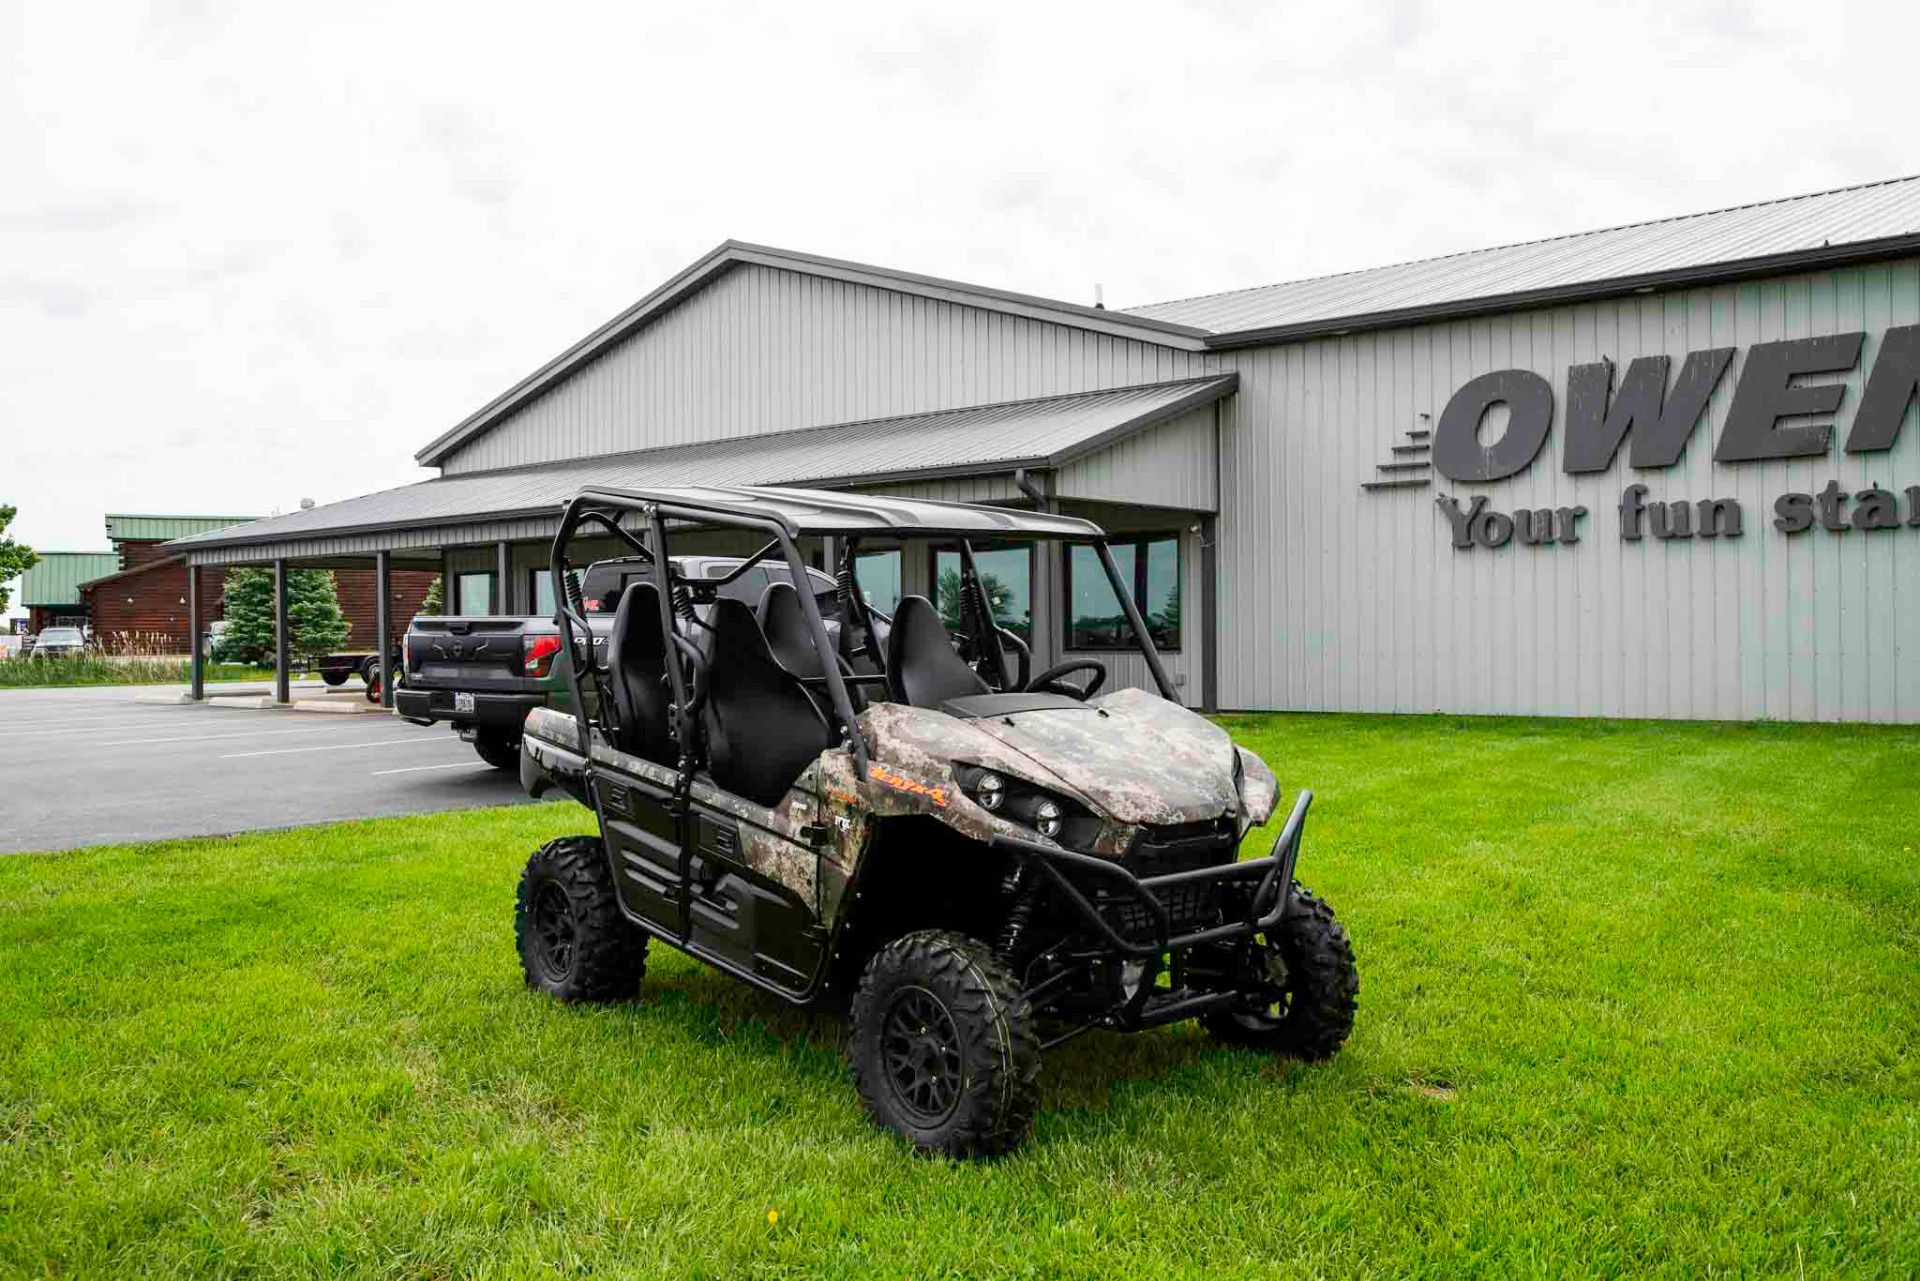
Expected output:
(282, 627)
(1210, 614)
(503, 578)
(196, 658)
(383, 621)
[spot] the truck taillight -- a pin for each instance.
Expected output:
(536, 654)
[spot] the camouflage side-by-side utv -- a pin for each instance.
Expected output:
(828, 802)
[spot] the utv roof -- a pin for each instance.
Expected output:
(820, 511)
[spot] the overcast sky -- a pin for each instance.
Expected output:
(251, 253)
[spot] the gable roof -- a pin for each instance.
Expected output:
(732, 253)
(55, 579)
(1827, 228)
(980, 440)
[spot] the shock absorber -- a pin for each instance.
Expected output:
(1019, 892)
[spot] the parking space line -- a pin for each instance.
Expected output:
(92, 724)
(415, 769)
(338, 747)
(209, 738)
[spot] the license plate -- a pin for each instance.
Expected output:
(463, 702)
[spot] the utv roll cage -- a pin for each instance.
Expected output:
(782, 516)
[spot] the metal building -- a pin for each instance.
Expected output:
(1669, 470)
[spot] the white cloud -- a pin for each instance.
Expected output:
(251, 253)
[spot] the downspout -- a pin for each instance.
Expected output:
(1047, 554)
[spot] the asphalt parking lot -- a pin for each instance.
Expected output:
(92, 766)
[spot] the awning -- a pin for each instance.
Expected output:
(524, 502)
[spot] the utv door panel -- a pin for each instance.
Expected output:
(744, 917)
(643, 836)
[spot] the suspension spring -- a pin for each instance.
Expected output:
(1021, 895)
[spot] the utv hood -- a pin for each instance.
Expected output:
(1129, 755)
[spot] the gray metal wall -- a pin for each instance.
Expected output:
(1338, 599)
(763, 349)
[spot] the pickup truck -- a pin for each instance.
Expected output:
(482, 675)
(334, 669)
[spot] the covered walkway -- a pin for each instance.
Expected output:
(1133, 458)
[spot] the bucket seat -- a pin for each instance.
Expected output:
(923, 668)
(637, 667)
(762, 727)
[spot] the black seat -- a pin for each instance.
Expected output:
(762, 726)
(783, 621)
(923, 668)
(637, 671)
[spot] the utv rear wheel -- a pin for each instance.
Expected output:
(498, 747)
(1301, 987)
(574, 942)
(943, 1047)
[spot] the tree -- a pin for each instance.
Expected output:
(313, 610)
(15, 558)
(248, 611)
(435, 601)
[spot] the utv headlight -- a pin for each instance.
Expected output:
(1055, 817)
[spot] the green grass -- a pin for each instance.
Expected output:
(1637, 999)
(32, 673)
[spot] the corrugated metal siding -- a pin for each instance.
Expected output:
(56, 579)
(1338, 599)
(160, 528)
(1855, 214)
(763, 349)
(1172, 465)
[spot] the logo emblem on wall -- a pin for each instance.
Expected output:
(1773, 415)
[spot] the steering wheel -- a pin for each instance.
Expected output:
(1050, 680)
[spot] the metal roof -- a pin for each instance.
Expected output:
(138, 528)
(820, 511)
(731, 253)
(978, 440)
(56, 579)
(1828, 228)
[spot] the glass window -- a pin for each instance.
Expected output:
(1004, 573)
(1151, 568)
(473, 594)
(543, 593)
(879, 574)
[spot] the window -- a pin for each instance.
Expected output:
(542, 593)
(473, 594)
(1151, 566)
(1005, 573)
(879, 574)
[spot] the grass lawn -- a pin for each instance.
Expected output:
(32, 673)
(1636, 999)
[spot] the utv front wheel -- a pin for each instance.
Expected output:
(574, 943)
(497, 747)
(1299, 988)
(943, 1047)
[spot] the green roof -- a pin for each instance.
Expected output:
(127, 528)
(56, 579)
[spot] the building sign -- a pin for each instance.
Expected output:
(1653, 414)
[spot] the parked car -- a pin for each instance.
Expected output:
(60, 642)
(482, 675)
(986, 861)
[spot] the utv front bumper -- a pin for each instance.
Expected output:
(1087, 885)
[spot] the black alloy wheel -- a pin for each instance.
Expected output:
(922, 1052)
(1299, 989)
(943, 1049)
(574, 941)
